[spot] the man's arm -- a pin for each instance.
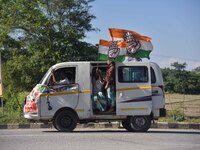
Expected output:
(53, 77)
(99, 75)
(109, 76)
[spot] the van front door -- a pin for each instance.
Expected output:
(133, 89)
(62, 92)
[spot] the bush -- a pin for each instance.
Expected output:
(15, 102)
(175, 112)
(13, 109)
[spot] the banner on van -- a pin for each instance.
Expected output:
(130, 44)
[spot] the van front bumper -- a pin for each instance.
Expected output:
(31, 116)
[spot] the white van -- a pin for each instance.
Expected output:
(138, 93)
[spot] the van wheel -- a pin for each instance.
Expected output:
(65, 121)
(125, 124)
(54, 125)
(138, 123)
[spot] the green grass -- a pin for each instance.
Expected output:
(177, 116)
(12, 111)
(187, 120)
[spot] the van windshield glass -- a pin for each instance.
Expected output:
(42, 81)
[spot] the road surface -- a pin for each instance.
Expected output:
(99, 139)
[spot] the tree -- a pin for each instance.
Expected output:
(175, 79)
(194, 81)
(178, 66)
(168, 78)
(35, 34)
(197, 70)
(178, 80)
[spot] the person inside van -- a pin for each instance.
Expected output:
(99, 99)
(63, 79)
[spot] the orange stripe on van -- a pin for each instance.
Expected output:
(129, 109)
(79, 110)
(135, 88)
(86, 91)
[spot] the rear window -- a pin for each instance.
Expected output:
(133, 74)
(153, 76)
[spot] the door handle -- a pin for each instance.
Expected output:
(121, 94)
(48, 103)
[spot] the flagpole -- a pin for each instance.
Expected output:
(111, 34)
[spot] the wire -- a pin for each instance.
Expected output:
(189, 59)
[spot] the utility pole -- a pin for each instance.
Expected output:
(1, 88)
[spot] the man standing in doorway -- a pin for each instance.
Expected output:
(110, 84)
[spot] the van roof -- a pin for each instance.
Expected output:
(89, 62)
(77, 62)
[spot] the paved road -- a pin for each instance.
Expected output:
(99, 139)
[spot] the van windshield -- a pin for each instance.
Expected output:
(44, 79)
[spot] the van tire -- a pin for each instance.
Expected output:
(125, 124)
(65, 121)
(138, 123)
(54, 125)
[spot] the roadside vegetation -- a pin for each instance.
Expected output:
(12, 111)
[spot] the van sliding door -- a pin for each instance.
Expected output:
(133, 89)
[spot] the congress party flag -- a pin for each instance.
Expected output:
(117, 50)
(120, 33)
(138, 46)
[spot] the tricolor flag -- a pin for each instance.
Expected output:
(130, 44)
(138, 46)
(119, 33)
(117, 50)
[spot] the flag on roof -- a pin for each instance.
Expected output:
(117, 50)
(119, 33)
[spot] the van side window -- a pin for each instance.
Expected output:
(153, 76)
(133, 74)
(65, 75)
